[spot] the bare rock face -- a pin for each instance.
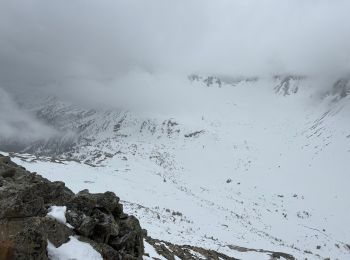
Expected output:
(97, 219)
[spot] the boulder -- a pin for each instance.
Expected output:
(97, 219)
(28, 244)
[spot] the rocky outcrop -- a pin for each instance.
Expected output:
(287, 85)
(186, 252)
(97, 219)
(26, 228)
(340, 89)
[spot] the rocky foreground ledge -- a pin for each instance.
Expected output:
(40, 220)
(38, 216)
(27, 228)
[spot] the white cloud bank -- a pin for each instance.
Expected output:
(137, 52)
(46, 42)
(17, 125)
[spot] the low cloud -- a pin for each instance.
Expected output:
(122, 52)
(18, 126)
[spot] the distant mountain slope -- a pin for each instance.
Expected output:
(80, 128)
(255, 163)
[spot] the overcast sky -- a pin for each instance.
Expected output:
(48, 42)
(108, 49)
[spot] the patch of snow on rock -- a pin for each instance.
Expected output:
(58, 213)
(73, 249)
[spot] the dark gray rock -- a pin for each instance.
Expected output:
(100, 218)
(9, 173)
(106, 251)
(87, 227)
(29, 244)
(105, 227)
(86, 202)
(20, 203)
(83, 203)
(50, 229)
(97, 218)
(53, 230)
(130, 237)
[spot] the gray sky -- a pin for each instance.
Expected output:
(74, 47)
(44, 42)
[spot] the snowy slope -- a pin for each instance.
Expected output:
(249, 164)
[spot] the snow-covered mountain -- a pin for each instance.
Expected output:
(250, 164)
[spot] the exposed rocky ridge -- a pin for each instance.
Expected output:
(341, 88)
(287, 85)
(170, 251)
(188, 252)
(215, 81)
(96, 218)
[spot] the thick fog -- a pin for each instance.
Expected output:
(46, 42)
(85, 48)
(18, 125)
